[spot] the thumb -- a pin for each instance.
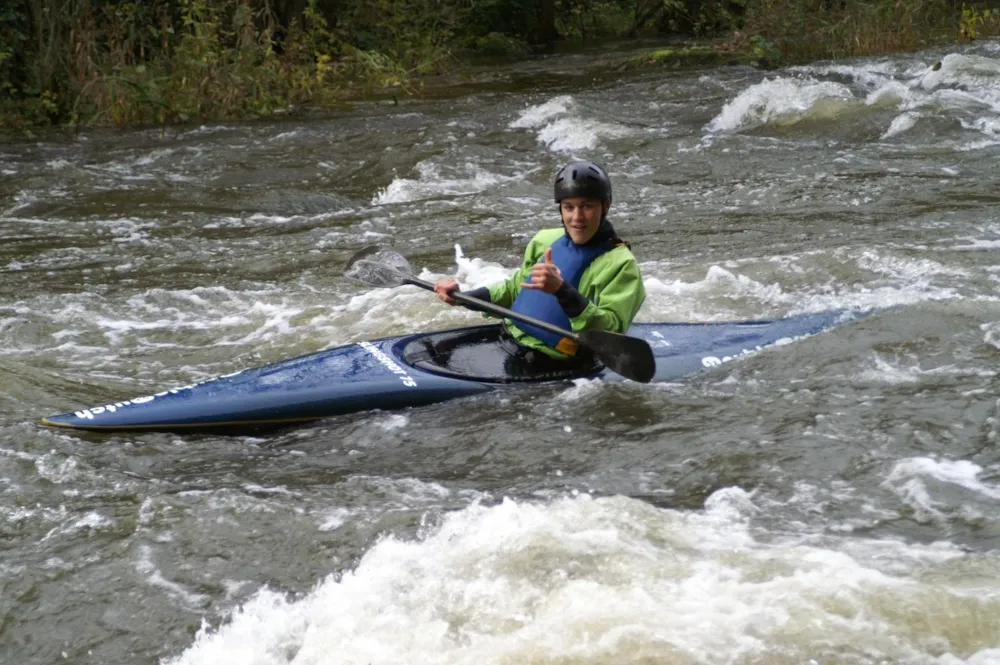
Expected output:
(548, 255)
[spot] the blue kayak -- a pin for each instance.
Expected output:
(414, 370)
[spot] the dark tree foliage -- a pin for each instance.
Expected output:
(126, 61)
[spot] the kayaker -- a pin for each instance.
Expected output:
(579, 276)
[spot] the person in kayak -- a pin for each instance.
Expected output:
(580, 276)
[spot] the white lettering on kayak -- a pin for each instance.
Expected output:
(715, 361)
(88, 414)
(389, 364)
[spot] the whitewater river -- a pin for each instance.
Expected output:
(833, 501)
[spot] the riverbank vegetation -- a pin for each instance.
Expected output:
(141, 62)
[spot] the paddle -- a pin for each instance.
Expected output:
(629, 356)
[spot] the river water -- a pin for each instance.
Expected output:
(836, 500)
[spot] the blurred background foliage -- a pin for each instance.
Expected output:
(142, 62)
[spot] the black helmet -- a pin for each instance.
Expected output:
(584, 179)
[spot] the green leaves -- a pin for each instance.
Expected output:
(120, 61)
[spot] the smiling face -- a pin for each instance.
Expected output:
(582, 216)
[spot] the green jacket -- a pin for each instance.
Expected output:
(611, 283)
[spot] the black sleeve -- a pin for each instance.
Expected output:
(572, 301)
(482, 293)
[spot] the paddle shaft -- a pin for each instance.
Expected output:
(500, 310)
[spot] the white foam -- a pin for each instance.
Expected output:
(473, 273)
(387, 311)
(254, 488)
(18, 454)
(21, 514)
(781, 101)
(942, 491)
(961, 87)
(431, 182)
(582, 389)
(888, 373)
(89, 522)
(536, 116)
(400, 494)
(726, 291)
(906, 269)
(961, 68)
(335, 519)
(901, 124)
(889, 94)
(206, 129)
(966, 87)
(869, 74)
(393, 421)
(146, 565)
(603, 580)
(990, 126)
(991, 333)
(962, 473)
(150, 318)
(56, 469)
(568, 135)
(145, 159)
(560, 126)
(147, 510)
(126, 230)
(22, 200)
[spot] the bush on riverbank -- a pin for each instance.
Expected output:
(154, 63)
(826, 29)
(141, 62)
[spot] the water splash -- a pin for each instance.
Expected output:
(783, 101)
(606, 580)
(562, 126)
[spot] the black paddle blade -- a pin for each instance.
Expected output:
(629, 356)
(378, 266)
